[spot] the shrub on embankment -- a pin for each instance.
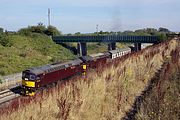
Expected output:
(107, 93)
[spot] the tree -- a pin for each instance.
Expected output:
(30, 29)
(77, 33)
(151, 31)
(38, 29)
(101, 32)
(52, 31)
(25, 31)
(161, 29)
(4, 41)
(1, 30)
(128, 32)
(162, 36)
(69, 34)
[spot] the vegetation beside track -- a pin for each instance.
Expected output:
(163, 101)
(110, 91)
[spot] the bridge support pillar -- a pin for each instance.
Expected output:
(111, 46)
(137, 47)
(82, 48)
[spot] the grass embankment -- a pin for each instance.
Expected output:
(163, 101)
(106, 94)
(29, 51)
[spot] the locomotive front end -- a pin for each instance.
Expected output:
(28, 83)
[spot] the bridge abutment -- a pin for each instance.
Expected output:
(82, 48)
(112, 46)
(137, 47)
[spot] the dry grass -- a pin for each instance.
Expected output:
(106, 94)
(163, 102)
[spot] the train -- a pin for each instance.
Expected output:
(37, 78)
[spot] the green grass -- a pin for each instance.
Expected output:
(96, 48)
(30, 51)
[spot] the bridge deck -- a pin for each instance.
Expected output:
(110, 38)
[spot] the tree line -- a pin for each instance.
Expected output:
(53, 31)
(28, 31)
(161, 32)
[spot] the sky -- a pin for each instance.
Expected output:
(71, 16)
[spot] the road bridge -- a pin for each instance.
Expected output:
(111, 39)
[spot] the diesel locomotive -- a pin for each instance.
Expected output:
(36, 78)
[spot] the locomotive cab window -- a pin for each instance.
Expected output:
(32, 77)
(23, 75)
(28, 76)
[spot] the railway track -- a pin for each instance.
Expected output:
(9, 94)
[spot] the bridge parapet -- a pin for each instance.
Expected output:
(107, 38)
(111, 39)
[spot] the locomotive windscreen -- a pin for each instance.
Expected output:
(26, 75)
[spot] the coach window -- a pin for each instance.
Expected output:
(117, 55)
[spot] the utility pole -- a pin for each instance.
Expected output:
(49, 20)
(97, 29)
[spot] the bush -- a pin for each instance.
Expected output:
(2, 72)
(162, 36)
(38, 29)
(52, 31)
(25, 31)
(4, 41)
(1, 30)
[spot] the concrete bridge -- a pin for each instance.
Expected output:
(111, 39)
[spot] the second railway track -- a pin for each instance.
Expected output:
(9, 94)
